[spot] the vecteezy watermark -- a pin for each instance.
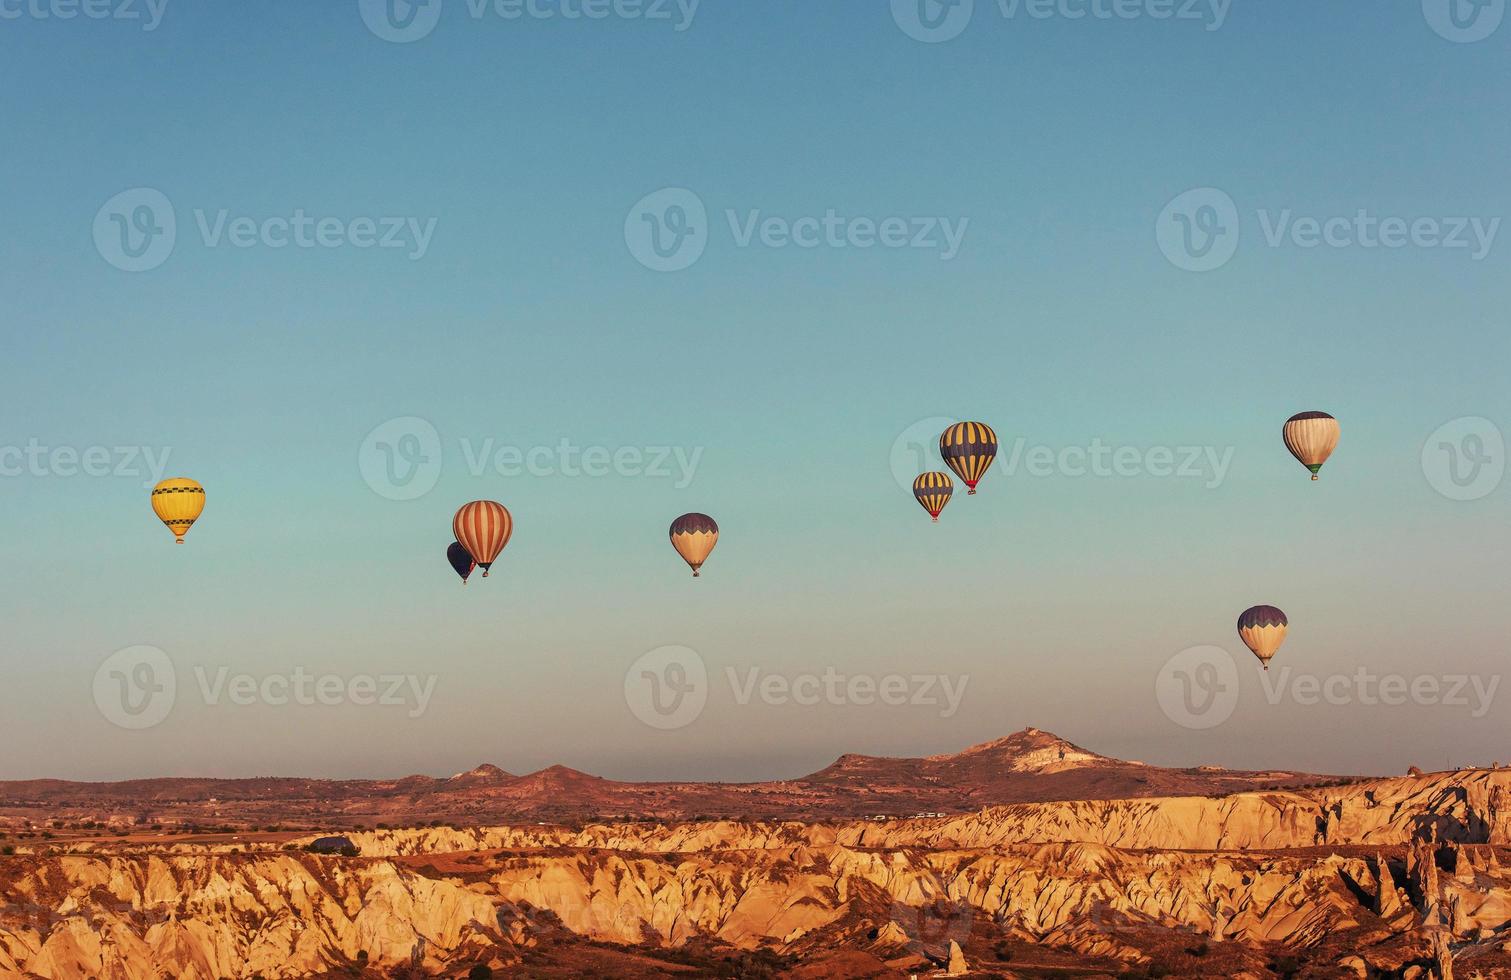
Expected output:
(402, 459)
(136, 231)
(1464, 21)
(916, 450)
(933, 924)
(403, 21)
(668, 230)
(934, 21)
(148, 13)
(1098, 459)
(1366, 687)
(1465, 459)
(1200, 229)
(35, 459)
(137, 687)
(1198, 688)
(411, 691)
(668, 688)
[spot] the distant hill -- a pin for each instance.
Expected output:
(1027, 766)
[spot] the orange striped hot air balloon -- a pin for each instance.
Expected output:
(932, 491)
(968, 448)
(178, 502)
(694, 536)
(1311, 437)
(483, 528)
(1262, 629)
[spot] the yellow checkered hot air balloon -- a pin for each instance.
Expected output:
(178, 502)
(968, 448)
(932, 491)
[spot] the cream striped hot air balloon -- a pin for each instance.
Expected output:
(1262, 629)
(1311, 437)
(178, 502)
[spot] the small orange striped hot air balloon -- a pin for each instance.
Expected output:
(178, 502)
(968, 448)
(483, 528)
(1311, 437)
(694, 536)
(1262, 629)
(932, 491)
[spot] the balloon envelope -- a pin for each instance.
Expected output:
(483, 527)
(932, 491)
(461, 561)
(178, 502)
(694, 536)
(1262, 629)
(1311, 437)
(968, 448)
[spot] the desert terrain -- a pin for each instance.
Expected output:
(1048, 860)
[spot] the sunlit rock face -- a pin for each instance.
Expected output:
(1398, 873)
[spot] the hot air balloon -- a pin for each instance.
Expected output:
(483, 528)
(694, 536)
(178, 502)
(1262, 630)
(932, 491)
(1311, 437)
(461, 560)
(968, 448)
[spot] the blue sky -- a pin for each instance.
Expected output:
(1055, 142)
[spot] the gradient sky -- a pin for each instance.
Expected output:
(529, 321)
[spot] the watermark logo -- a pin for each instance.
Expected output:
(916, 450)
(1199, 230)
(667, 688)
(1364, 686)
(942, 691)
(1465, 459)
(400, 21)
(135, 688)
(1198, 687)
(35, 459)
(135, 231)
(404, 21)
(932, 926)
(148, 12)
(300, 687)
(667, 230)
(401, 459)
(933, 21)
(1101, 460)
(1464, 21)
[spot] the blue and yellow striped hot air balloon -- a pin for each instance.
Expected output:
(932, 491)
(968, 448)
